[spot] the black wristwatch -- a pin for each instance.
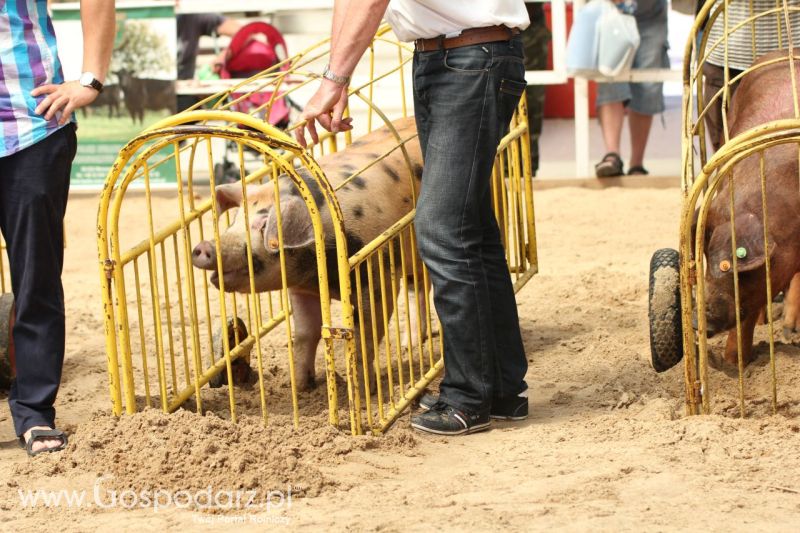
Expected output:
(87, 79)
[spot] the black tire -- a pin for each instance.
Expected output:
(226, 172)
(6, 367)
(664, 310)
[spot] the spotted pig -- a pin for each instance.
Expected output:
(370, 202)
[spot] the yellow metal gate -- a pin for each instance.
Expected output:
(173, 340)
(730, 211)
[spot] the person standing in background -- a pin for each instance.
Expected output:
(641, 101)
(535, 44)
(190, 27)
(36, 152)
(770, 34)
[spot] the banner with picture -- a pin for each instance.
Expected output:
(139, 89)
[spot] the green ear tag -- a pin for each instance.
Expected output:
(741, 252)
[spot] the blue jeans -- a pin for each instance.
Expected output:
(464, 99)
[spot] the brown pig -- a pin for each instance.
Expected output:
(763, 95)
(370, 202)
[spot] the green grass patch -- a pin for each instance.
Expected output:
(98, 127)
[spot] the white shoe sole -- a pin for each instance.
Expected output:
(424, 408)
(465, 431)
(508, 418)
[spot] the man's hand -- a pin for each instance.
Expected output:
(326, 107)
(66, 97)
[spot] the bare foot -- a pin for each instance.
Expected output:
(41, 444)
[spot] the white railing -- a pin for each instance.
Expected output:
(558, 75)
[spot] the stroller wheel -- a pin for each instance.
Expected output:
(226, 172)
(666, 329)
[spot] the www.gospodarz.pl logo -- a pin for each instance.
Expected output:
(208, 498)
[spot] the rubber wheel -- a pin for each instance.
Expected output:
(6, 340)
(226, 172)
(664, 310)
(240, 367)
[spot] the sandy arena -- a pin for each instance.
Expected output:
(607, 447)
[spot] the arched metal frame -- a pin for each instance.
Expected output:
(703, 176)
(181, 136)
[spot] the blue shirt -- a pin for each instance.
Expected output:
(28, 59)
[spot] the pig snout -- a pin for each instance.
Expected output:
(204, 256)
(712, 324)
(720, 311)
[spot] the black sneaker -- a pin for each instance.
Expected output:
(510, 408)
(443, 419)
(427, 401)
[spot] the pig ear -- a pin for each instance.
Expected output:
(296, 222)
(750, 249)
(228, 196)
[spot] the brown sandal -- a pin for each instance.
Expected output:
(609, 166)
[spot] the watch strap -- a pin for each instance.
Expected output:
(95, 84)
(335, 78)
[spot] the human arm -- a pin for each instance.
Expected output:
(99, 27)
(229, 27)
(348, 43)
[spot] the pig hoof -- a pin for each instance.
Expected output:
(666, 332)
(788, 332)
(306, 384)
(218, 381)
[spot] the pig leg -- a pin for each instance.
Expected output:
(731, 348)
(791, 307)
(307, 315)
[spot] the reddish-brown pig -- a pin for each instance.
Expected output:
(763, 95)
(370, 202)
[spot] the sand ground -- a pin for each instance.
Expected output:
(607, 447)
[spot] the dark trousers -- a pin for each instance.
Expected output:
(34, 184)
(464, 99)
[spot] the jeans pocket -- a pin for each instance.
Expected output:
(510, 93)
(468, 59)
(512, 87)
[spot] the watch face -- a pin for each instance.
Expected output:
(86, 79)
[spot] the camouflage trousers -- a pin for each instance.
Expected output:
(535, 44)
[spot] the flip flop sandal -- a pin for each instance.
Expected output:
(609, 166)
(43, 434)
(638, 170)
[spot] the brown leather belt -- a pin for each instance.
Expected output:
(467, 37)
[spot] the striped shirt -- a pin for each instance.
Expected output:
(764, 33)
(28, 59)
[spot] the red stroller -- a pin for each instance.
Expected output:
(254, 48)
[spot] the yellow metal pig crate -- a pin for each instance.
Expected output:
(678, 278)
(170, 336)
